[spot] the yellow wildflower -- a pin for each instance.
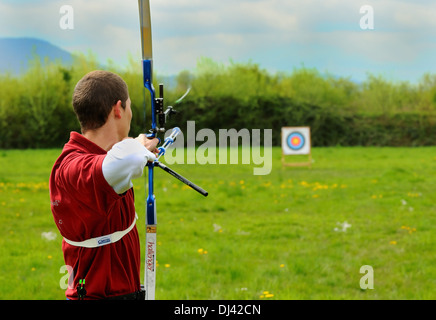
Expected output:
(266, 294)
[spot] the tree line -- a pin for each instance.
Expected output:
(36, 111)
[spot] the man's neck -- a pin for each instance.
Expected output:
(104, 137)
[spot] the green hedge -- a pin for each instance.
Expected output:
(327, 128)
(36, 112)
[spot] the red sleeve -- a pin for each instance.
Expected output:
(81, 176)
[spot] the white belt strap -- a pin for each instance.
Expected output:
(103, 240)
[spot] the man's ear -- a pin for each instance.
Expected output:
(117, 109)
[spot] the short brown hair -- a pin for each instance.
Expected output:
(95, 95)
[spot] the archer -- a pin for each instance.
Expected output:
(91, 185)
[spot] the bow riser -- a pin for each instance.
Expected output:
(147, 66)
(147, 70)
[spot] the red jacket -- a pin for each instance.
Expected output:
(85, 206)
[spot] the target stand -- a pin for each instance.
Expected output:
(296, 141)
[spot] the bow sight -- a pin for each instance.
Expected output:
(162, 116)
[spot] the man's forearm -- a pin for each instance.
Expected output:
(124, 162)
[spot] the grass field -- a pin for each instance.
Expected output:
(297, 233)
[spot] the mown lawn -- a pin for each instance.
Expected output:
(297, 233)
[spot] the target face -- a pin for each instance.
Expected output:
(296, 140)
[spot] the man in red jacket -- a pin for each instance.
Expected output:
(91, 194)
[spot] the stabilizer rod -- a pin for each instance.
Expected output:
(181, 178)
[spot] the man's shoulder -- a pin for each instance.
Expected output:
(76, 160)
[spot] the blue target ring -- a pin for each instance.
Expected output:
(296, 141)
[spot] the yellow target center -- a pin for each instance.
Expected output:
(295, 141)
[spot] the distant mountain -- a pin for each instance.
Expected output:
(16, 52)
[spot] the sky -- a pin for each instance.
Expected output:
(278, 35)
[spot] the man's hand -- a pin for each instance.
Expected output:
(150, 144)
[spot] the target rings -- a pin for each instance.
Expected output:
(296, 141)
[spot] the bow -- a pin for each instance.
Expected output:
(158, 117)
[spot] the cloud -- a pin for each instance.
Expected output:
(278, 34)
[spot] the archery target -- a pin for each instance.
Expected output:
(296, 140)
